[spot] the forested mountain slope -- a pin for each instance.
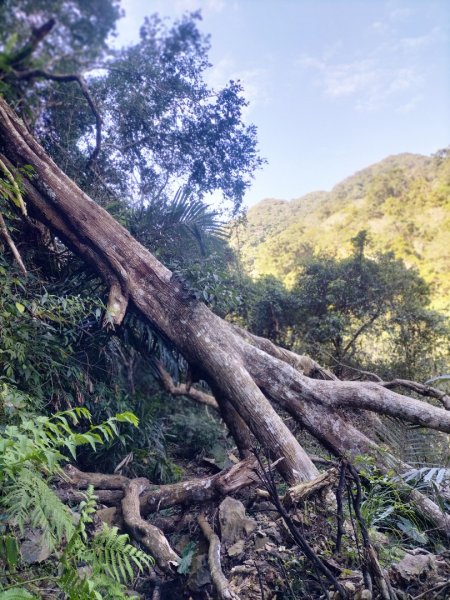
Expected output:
(403, 202)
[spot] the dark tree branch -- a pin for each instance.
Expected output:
(37, 35)
(419, 388)
(68, 78)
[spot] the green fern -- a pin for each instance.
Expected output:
(30, 501)
(30, 454)
(110, 557)
(116, 556)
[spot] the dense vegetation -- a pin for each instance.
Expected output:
(401, 201)
(140, 132)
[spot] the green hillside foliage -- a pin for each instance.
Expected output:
(403, 202)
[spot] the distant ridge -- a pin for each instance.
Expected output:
(402, 201)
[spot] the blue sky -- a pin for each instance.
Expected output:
(333, 85)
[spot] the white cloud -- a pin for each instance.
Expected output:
(254, 81)
(206, 6)
(435, 36)
(410, 105)
(397, 10)
(368, 83)
(380, 27)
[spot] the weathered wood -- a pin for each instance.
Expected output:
(148, 535)
(303, 491)
(130, 490)
(109, 488)
(221, 583)
(247, 370)
(205, 340)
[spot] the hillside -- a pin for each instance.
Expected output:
(403, 201)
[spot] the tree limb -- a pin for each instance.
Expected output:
(148, 535)
(225, 482)
(67, 78)
(4, 231)
(419, 388)
(221, 583)
(181, 388)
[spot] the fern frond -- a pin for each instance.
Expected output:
(78, 587)
(116, 556)
(30, 501)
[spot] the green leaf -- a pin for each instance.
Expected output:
(20, 307)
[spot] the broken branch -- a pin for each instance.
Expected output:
(221, 583)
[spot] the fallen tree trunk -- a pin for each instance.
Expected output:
(109, 489)
(243, 371)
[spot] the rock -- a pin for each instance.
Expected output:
(199, 574)
(236, 548)
(349, 587)
(414, 567)
(364, 595)
(234, 523)
(108, 515)
(261, 541)
(34, 549)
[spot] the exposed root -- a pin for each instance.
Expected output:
(221, 583)
(148, 535)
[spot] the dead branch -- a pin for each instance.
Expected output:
(335, 432)
(148, 535)
(302, 491)
(107, 497)
(4, 231)
(68, 78)
(419, 388)
(221, 583)
(226, 482)
(181, 389)
(99, 481)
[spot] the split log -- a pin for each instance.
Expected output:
(303, 491)
(221, 583)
